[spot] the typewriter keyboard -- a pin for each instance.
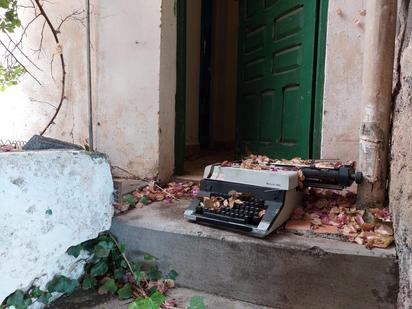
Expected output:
(234, 207)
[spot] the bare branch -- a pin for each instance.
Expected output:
(42, 102)
(63, 81)
(22, 52)
(18, 61)
(74, 15)
(38, 51)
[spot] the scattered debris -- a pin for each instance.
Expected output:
(7, 148)
(327, 208)
(173, 191)
(233, 199)
(259, 162)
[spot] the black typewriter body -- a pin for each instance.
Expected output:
(246, 217)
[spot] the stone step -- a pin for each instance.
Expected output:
(281, 271)
(87, 300)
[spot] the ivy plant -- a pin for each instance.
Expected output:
(9, 22)
(9, 19)
(109, 272)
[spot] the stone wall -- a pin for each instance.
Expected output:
(400, 192)
(49, 201)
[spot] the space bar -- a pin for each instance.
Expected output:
(224, 218)
(223, 224)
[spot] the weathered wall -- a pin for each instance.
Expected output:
(28, 107)
(134, 82)
(127, 83)
(45, 209)
(400, 193)
(343, 79)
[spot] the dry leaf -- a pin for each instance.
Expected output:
(384, 229)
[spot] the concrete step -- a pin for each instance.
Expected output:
(87, 300)
(281, 271)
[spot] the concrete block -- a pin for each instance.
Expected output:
(282, 271)
(49, 201)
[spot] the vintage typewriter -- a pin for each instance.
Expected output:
(257, 202)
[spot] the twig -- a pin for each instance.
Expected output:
(26, 28)
(21, 51)
(132, 176)
(18, 61)
(145, 180)
(63, 81)
(43, 102)
(72, 15)
(167, 193)
(127, 262)
(38, 51)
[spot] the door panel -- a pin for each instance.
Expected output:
(276, 69)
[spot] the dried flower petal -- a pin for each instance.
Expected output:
(384, 229)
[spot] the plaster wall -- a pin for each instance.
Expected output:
(134, 82)
(45, 209)
(127, 69)
(343, 79)
(25, 109)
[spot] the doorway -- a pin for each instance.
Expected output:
(254, 80)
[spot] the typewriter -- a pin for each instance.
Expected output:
(257, 202)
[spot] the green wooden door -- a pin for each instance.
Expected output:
(276, 71)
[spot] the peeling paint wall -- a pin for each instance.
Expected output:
(127, 83)
(343, 79)
(134, 82)
(25, 109)
(45, 209)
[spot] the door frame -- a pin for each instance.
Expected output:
(319, 78)
(180, 97)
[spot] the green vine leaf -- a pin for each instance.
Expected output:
(196, 302)
(99, 269)
(152, 302)
(4, 4)
(119, 274)
(103, 248)
(9, 76)
(62, 284)
(125, 292)
(36, 292)
(129, 199)
(18, 300)
(139, 276)
(172, 275)
(109, 286)
(150, 258)
(44, 298)
(88, 283)
(155, 273)
(74, 251)
(144, 200)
